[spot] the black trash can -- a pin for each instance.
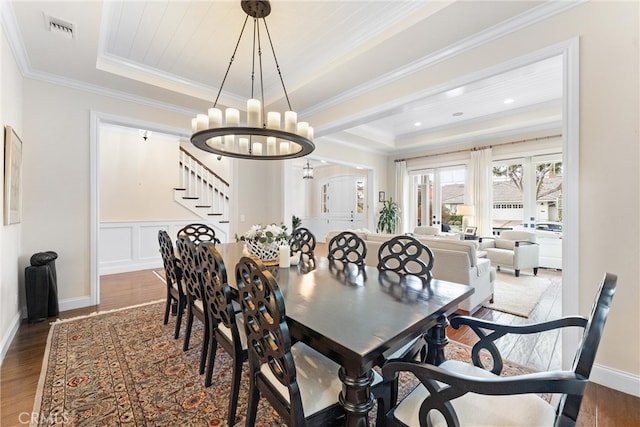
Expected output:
(41, 284)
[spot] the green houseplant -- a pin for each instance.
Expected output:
(388, 216)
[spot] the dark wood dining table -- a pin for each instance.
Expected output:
(357, 317)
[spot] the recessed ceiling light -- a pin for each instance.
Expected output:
(508, 101)
(459, 113)
(417, 124)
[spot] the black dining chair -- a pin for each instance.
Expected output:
(302, 241)
(404, 257)
(301, 384)
(199, 233)
(191, 277)
(173, 279)
(456, 393)
(225, 325)
(347, 248)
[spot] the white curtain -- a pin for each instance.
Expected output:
(481, 194)
(402, 193)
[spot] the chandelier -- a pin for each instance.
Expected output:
(270, 136)
(307, 171)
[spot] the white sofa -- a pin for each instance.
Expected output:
(454, 261)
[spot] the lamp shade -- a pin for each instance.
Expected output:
(466, 210)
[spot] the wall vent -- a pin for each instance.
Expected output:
(60, 27)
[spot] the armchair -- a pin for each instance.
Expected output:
(512, 249)
(457, 393)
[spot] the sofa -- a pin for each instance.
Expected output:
(454, 261)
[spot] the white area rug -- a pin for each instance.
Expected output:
(517, 295)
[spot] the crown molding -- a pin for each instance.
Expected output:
(502, 29)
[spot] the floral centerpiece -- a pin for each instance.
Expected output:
(265, 241)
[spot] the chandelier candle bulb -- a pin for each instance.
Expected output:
(271, 146)
(194, 125)
(285, 259)
(253, 114)
(310, 133)
(284, 148)
(290, 121)
(244, 145)
(229, 142)
(257, 148)
(215, 118)
(303, 129)
(203, 122)
(273, 120)
(232, 117)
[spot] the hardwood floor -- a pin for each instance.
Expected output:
(21, 367)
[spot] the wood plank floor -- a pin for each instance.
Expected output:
(21, 367)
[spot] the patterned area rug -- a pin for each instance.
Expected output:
(124, 368)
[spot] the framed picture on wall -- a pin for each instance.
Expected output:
(381, 196)
(12, 176)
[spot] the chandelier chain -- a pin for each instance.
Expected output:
(286, 95)
(233, 56)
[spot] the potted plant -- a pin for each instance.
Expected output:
(389, 216)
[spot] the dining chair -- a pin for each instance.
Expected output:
(195, 295)
(199, 233)
(301, 384)
(456, 393)
(303, 241)
(173, 279)
(406, 256)
(347, 248)
(225, 325)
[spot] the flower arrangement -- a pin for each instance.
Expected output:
(265, 241)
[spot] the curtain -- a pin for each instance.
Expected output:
(402, 193)
(481, 185)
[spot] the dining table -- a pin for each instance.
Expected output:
(358, 317)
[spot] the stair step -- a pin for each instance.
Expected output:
(191, 197)
(215, 214)
(179, 189)
(224, 222)
(203, 206)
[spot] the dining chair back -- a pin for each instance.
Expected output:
(199, 233)
(173, 279)
(406, 255)
(300, 383)
(347, 248)
(303, 241)
(226, 326)
(457, 393)
(191, 277)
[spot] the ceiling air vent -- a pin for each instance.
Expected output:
(58, 26)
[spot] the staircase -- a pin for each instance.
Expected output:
(202, 191)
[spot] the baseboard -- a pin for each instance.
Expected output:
(127, 267)
(11, 333)
(617, 380)
(74, 303)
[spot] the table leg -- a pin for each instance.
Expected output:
(436, 341)
(356, 397)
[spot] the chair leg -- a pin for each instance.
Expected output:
(213, 349)
(517, 273)
(205, 349)
(166, 310)
(187, 334)
(176, 334)
(235, 390)
(535, 271)
(252, 405)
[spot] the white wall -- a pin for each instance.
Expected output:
(608, 156)
(11, 269)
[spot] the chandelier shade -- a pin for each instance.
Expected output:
(270, 136)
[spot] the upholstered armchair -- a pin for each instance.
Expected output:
(512, 249)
